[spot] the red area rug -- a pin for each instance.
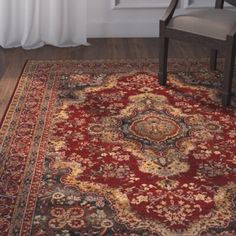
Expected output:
(99, 148)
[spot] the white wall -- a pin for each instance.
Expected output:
(131, 18)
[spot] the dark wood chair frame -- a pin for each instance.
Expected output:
(228, 45)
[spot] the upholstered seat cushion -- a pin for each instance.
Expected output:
(210, 22)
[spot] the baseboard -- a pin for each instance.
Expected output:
(123, 29)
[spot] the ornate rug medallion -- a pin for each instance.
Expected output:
(99, 148)
(154, 128)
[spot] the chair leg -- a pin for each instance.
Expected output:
(213, 59)
(228, 75)
(163, 56)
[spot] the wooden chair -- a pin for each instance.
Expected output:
(212, 27)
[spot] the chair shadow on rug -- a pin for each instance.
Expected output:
(212, 27)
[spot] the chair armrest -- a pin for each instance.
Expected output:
(169, 12)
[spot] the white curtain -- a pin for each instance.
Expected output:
(33, 23)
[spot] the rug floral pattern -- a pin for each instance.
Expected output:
(99, 148)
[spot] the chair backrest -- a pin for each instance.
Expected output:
(220, 3)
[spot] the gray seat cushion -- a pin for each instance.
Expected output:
(216, 23)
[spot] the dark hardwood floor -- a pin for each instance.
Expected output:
(13, 60)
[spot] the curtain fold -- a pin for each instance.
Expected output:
(33, 23)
